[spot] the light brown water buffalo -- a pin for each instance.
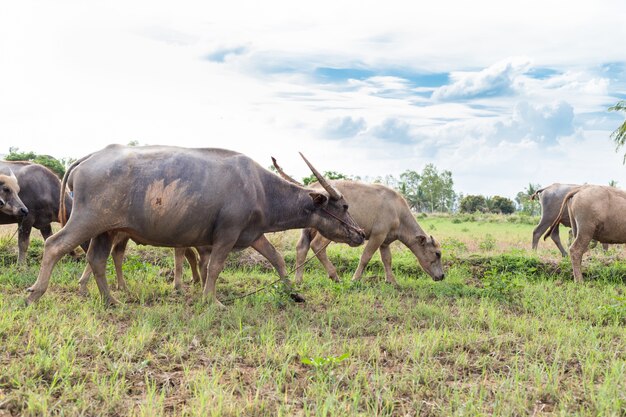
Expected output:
(596, 212)
(181, 197)
(10, 202)
(385, 217)
(551, 199)
(39, 191)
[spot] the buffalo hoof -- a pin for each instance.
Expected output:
(112, 302)
(82, 291)
(34, 295)
(297, 297)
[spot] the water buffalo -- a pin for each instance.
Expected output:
(182, 197)
(10, 203)
(39, 190)
(596, 212)
(551, 200)
(385, 217)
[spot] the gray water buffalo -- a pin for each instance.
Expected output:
(181, 197)
(551, 200)
(10, 202)
(385, 217)
(39, 190)
(596, 212)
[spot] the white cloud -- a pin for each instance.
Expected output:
(498, 79)
(537, 123)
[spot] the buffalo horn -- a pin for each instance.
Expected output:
(334, 194)
(283, 174)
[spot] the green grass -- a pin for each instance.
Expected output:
(507, 333)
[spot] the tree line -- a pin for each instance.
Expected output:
(428, 191)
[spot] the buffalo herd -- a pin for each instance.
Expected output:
(217, 201)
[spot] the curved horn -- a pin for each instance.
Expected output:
(12, 174)
(282, 173)
(332, 191)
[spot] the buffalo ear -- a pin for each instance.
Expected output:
(318, 199)
(422, 239)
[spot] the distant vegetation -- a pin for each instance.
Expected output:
(619, 134)
(56, 166)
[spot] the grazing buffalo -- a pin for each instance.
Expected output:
(385, 217)
(551, 200)
(10, 203)
(39, 190)
(596, 212)
(181, 197)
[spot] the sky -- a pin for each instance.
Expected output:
(502, 94)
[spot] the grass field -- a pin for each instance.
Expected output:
(507, 333)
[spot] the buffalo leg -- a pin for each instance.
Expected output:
(119, 249)
(370, 248)
(205, 256)
(46, 232)
(318, 246)
(97, 255)
(265, 248)
(216, 264)
(385, 255)
(301, 251)
(578, 248)
(23, 239)
(57, 245)
(557, 240)
(191, 257)
(540, 230)
(84, 279)
(179, 255)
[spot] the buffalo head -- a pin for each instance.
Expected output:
(330, 211)
(428, 253)
(10, 202)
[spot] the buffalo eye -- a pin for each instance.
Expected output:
(345, 207)
(438, 255)
(6, 189)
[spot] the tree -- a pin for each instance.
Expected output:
(437, 189)
(502, 205)
(472, 204)
(329, 175)
(48, 161)
(619, 134)
(408, 186)
(525, 204)
(612, 183)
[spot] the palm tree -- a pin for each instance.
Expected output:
(619, 134)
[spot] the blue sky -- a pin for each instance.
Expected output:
(500, 94)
